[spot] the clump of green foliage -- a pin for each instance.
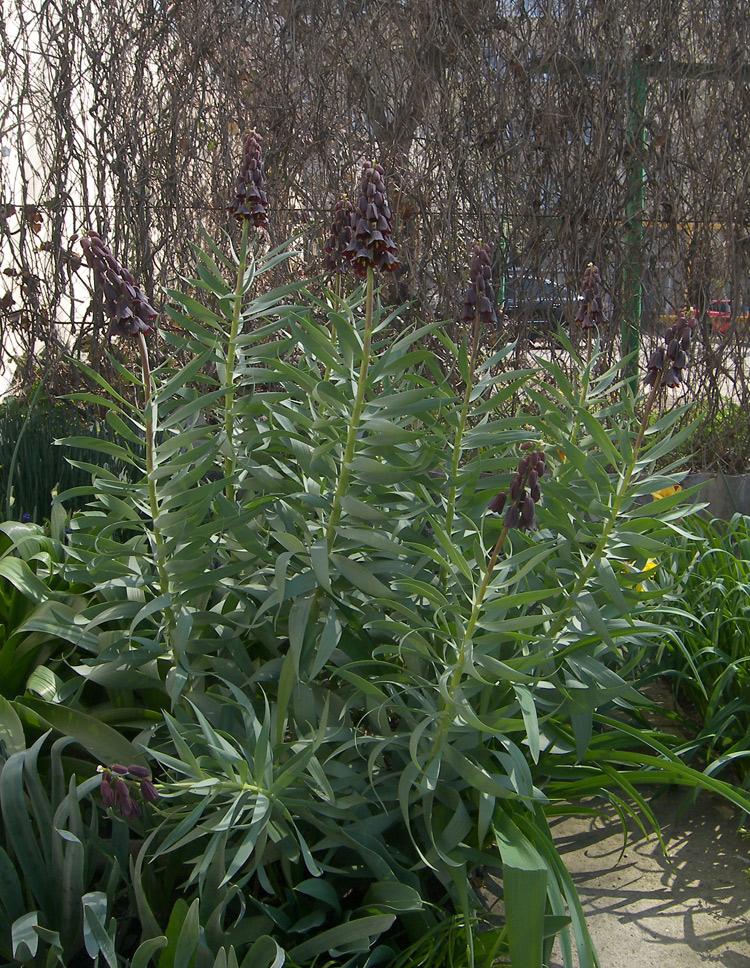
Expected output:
(32, 469)
(706, 656)
(357, 683)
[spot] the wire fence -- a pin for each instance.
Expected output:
(559, 132)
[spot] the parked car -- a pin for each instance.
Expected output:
(539, 306)
(720, 314)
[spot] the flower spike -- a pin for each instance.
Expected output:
(129, 310)
(250, 201)
(371, 245)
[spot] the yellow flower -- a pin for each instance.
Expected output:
(651, 565)
(666, 492)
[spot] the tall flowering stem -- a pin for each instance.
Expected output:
(150, 456)
(334, 262)
(231, 357)
(590, 315)
(249, 206)
(664, 369)
(479, 307)
(359, 402)
(131, 315)
(370, 247)
(525, 493)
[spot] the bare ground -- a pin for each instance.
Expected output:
(644, 910)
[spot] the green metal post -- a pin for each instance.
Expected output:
(635, 175)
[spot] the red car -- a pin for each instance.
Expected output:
(720, 313)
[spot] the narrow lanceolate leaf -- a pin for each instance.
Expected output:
(528, 710)
(146, 951)
(26, 843)
(95, 934)
(363, 931)
(20, 575)
(106, 744)
(24, 937)
(11, 729)
(525, 876)
(265, 953)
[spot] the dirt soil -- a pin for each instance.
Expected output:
(689, 909)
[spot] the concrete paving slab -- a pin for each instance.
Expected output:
(689, 909)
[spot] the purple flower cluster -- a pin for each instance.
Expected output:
(668, 361)
(339, 237)
(481, 294)
(525, 492)
(590, 313)
(250, 201)
(118, 782)
(128, 308)
(371, 245)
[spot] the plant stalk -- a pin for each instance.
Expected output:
(231, 355)
(461, 429)
(152, 495)
(579, 585)
(588, 568)
(359, 402)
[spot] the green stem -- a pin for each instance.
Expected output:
(336, 304)
(359, 402)
(231, 354)
(152, 496)
(468, 634)
(575, 591)
(601, 544)
(461, 429)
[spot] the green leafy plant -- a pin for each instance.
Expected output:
(32, 470)
(60, 869)
(363, 674)
(707, 657)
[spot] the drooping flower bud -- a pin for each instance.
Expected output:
(371, 245)
(512, 517)
(122, 796)
(142, 772)
(250, 201)
(497, 503)
(126, 305)
(667, 362)
(522, 511)
(130, 808)
(590, 313)
(149, 791)
(528, 514)
(339, 237)
(481, 293)
(108, 797)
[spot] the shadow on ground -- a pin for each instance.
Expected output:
(687, 909)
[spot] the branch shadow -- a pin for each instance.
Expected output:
(696, 896)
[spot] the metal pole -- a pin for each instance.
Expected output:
(635, 178)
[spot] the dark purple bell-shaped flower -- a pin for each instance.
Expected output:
(371, 245)
(481, 294)
(668, 361)
(525, 492)
(129, 310)
(339, 237)
(590, 313)
(250, 201)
